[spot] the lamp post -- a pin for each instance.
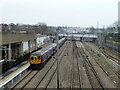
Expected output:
(67, 43)
(57, 58)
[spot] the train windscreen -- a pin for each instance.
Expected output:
(38, 57)
(31, 57)
(35, 58)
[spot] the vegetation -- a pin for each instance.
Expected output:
(92, 30)
(41, 28)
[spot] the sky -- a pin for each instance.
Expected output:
(80, 13)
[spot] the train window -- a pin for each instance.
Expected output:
(31, 57)
(35, 58)
(38, 57)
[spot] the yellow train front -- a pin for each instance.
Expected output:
(38, 58)
(35, 61)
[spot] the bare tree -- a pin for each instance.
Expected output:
(42, 28)
(4, 27)
(92, 30)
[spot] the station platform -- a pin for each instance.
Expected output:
(9, 75)
(12, 73)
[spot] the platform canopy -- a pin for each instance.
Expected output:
(80, 35)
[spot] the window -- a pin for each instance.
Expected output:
(38, 57)
(35, 58)
(31, 57)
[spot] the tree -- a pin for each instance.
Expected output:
(113, 28)
(42, 28)
(92, 30)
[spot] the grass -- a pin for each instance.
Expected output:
(104, 60)
(105, 66)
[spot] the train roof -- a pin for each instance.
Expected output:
(61, 40)
(44, 50)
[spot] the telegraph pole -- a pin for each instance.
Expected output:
(57, 59)
(88, 38)
(99, 40)
(67, 43)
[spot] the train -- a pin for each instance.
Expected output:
(40, 57)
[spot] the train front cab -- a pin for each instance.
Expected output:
(35, 62)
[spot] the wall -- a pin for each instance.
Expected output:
(8, 37)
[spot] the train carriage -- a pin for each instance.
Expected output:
(61, 41)
(37, 59)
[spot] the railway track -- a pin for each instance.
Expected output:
(115, 65)
(33, 74)
(76, 80)
(79, 73)
(53, 72)
(110, 56)
(90, 71)
(106, 54)
(109, 72)
(72, 72)
(53, 78)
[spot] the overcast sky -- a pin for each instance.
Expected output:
(83, 13)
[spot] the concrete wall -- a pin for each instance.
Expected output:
(8, 37)
(13, 42)
(0, 46)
